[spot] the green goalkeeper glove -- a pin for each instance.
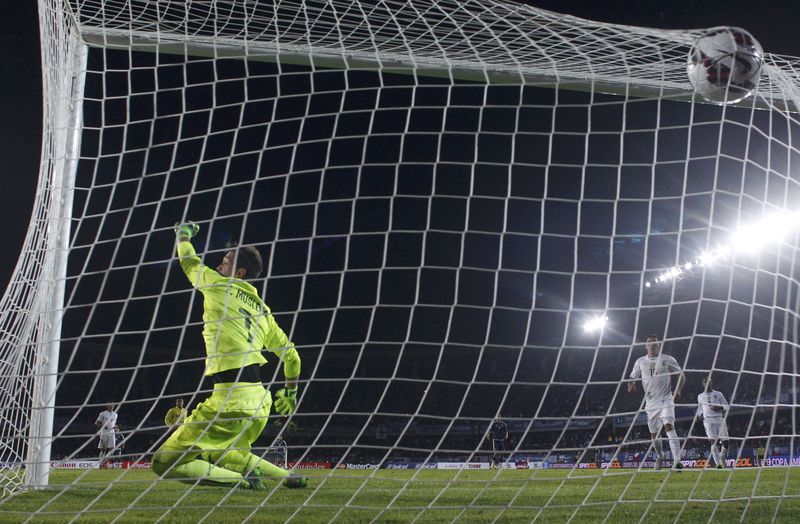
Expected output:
(285, 400)
(186, 230)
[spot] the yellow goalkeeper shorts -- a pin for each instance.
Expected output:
(232, 417)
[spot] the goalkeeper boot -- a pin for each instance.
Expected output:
(295, 482)
(677, 466)
(255, 484)
(253, 481)
(659, 463)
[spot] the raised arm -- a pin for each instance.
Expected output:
(198, 273)
(189, 261)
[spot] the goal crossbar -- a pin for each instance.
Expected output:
(517, 55)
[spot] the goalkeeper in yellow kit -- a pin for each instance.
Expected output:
(212, 446)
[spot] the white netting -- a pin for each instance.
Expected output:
(443, 194)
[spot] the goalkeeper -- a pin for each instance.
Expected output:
(213, 444)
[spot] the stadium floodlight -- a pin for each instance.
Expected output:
(772, 229)
(596, 324)
(747, 239)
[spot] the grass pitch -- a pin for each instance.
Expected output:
(469, 496)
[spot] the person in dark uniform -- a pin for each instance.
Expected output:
(498, 432)
(761, 454)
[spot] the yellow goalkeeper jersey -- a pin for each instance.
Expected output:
(237, 324)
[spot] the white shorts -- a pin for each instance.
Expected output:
(716, 427)
(660, 416)
(107, 441)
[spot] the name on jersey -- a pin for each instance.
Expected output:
(250, 301)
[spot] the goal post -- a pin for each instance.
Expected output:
(468, 211)
(33, 304)
(44, 373)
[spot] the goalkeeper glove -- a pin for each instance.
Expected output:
(186, 230)
(285, 400)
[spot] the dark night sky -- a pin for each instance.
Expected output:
(773, 23)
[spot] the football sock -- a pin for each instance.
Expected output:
(724, 454)
(207, 473)
(659, 447)
(244, 463)
(715, 453)
(674, 445)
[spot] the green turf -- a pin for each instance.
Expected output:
(433, 496)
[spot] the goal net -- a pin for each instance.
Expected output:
(444, 194)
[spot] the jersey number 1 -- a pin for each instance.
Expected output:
(248, 323)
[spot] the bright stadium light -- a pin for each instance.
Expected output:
(706, 259)
(596, 324)
(747, 239)
(773, 228)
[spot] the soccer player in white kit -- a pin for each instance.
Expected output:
(656, 370)
(711, 405)
(106, 421)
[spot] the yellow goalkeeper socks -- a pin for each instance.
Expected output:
(207, 473)
(244, 463)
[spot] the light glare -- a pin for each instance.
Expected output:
(596, 324)
(747, 239)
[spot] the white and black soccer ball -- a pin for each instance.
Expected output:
(724, 65)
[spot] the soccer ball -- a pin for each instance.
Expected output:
(724, 65)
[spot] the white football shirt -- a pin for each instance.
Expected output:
(707, 400)
(107, 419)
(655, 373)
